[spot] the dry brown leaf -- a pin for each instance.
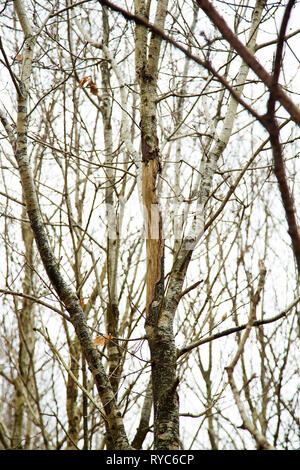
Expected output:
(102, 340)
(19, 57)
(88, 82)
(94, 89)
(84, 80)
(82, 302)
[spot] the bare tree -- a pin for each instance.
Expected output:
(150, 283)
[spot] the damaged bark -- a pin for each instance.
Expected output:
(159, 333)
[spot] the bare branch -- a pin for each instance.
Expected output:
(252, 62)
(236, 329)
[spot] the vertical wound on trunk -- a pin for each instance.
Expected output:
(154, 241)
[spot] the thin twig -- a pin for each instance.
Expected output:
(236, 329)
(36, 300)
(13, 77)
(53, 348)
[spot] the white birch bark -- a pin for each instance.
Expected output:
(207, 170)
(160, 338)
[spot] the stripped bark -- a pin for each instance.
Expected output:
(159, 334)
(147, 74)
(162, 313)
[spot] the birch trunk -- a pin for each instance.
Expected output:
(159, 332)
(74, 412)
(26, 347)
(112, 313)
(160, 317)
(207, 170)
(66, 294)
